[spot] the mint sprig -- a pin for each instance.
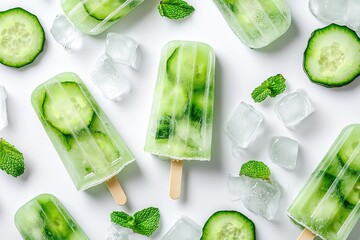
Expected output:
(175, 9)
(255, 169)
(144, 222)
(272, 87)
(11, 159)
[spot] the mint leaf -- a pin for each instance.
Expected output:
(255, 169)
(260, 93)
(276, 84)
(272, 87)
(175, 9)
(122, 219)
(11, 160)
(144, 222)
(147, 221)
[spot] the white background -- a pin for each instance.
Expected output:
(239, 71)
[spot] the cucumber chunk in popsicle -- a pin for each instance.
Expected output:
(101, 9)
(193, 71)
(66, 108)
(346, 152)
(56, 226)
(350, 188)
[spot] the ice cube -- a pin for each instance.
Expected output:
(259, 196)
(117, 232)
(294, 108)
(353, 15)
(65, 33)
(183, 229)
(283, 151)
(3, 110)
(329, 11)
(109, 79)
(243, 125)
(136, 236)
(123, 49)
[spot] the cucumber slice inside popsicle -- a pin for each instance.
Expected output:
(101, 9)
(56, 226)
(66, 108)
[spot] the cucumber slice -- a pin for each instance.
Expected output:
(334, 168)
(199, 104)
(347, 149)
(228, 225)
(350, 188)
(56, 226)
(312, 199)
(332, 56)
(174, 101)
(101, 9)
(66, 108)
(22, 37)
(193, 66)
(93, 152)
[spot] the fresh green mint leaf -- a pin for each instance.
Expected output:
(11, 159)
(175, 9)
(276, 84)
(272, 87)
(255, 169)
(144, 222)
(122, 219)
(147, 221)
(260, 93)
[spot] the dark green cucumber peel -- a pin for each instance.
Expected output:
(228, 225)
(19, 53)
(331, 57)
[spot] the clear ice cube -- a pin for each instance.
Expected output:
(259, 196)
(329, 11)
(183, 229)
(117, 232)
(3, 109)
(293, 108)
(109, 79)
(283, 151)
(353, 15)
(243, 125)
(65, 33)
(123, 49)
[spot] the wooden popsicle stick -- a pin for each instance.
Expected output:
(175, 178)
(306, 235)
(116, 191)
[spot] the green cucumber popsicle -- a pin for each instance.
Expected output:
(45, 218)
(180, 125)
(89, 146)
(328, 206)
(95, 16)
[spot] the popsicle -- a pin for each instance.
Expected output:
(95, 16)
(89, 146)
(257, 23)
(180, 126)
(45, 218)
(329, 204)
